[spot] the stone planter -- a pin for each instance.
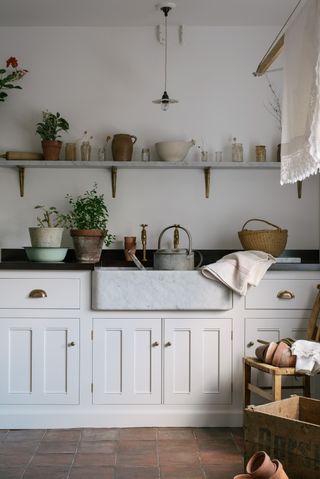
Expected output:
(88, 245)
(45, 237)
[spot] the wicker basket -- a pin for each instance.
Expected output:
(269, 241)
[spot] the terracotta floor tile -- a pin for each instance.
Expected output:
(137, 456)
(92, 472)
(220, 455)
(143, 446)
(103, 434)
(52, 447)
(19, 447)
(181, 472)
(25, 435)
(222, 471)
(14, 459)
(165, 434)
(64, 435)
(52, 460)
(178, 457)
(137, 473)
(140, 433)
(46, 472)
(95, 459)
(14, 472)
(98, 447)
(211, 433)
(178, 446)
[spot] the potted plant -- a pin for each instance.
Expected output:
(49, 129)
(49, 229)
(10, 75)
(87, 222)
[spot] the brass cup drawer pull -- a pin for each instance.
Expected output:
(168, 344)
(155, 344)
(285, 295)
(70, 345)
(38, 293)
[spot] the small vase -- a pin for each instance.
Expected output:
(122, 147)
(51, 149)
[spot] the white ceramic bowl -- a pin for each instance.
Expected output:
(45, 255)
(173, 150)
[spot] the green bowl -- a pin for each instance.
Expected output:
(45, 255)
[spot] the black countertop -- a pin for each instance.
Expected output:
(15, 259)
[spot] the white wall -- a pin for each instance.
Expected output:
(103, 80)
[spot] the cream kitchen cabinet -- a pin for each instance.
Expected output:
(195, 354)
(39, 338)
(39, 360)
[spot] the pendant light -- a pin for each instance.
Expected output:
(165, 101)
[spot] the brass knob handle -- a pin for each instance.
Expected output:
(155, 344)
(71, 344)
(167, 344)
(250, 344)
(38, 293)
(285, 295)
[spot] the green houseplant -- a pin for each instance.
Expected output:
(49, 229)
(49, 130)
(87, 221)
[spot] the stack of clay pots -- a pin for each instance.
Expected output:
(260, 466)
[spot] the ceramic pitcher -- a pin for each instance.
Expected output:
(122, 147)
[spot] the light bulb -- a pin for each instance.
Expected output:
(165, 105)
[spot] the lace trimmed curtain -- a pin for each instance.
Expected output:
(300, 141)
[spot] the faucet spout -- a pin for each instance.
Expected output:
(144, 242)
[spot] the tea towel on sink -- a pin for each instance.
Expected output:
(240, 269)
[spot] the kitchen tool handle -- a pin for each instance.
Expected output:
(38, 293)
(263, 221)
(134, 138)
(200, 259)
(176, 226)
(285, 295)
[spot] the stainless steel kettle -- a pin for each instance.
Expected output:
(176, 258)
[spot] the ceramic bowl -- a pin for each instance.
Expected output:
(173, 150)
(45, 255)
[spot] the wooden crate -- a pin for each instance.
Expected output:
(288, 430)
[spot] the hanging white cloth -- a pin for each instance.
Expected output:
(300, 142)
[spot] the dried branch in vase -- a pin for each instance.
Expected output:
(274, 105)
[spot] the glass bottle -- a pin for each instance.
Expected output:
(85, 151)
(237, 150)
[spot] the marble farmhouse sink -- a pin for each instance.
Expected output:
(132, 289)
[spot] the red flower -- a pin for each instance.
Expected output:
(12, 61)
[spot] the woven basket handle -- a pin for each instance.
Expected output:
(263, 221)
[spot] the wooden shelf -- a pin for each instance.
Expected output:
(150, 165)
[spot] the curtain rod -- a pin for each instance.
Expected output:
(275, 49)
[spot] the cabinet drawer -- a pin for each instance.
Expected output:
(40, 293)
(296, 294)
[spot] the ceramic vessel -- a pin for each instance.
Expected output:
(279, 472)
(173, 150)
(45, 237)
(45, 255)
(260, 466)
(130, 243)
(51, 149)
(88, 245)
(122, 147)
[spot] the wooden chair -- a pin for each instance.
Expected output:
(274, 393)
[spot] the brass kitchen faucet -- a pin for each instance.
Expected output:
(144, 242)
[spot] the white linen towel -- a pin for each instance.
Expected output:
(300, 145)
(308, 356)
(240, 269)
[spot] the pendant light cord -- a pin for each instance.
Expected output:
(165, 50)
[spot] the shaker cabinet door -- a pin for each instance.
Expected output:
(39, 361)
(197, 361)
(127, 361)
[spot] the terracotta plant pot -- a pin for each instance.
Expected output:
(51, 149)
(260, 466)
(88, 245)
(242, 476)
(282, 357)
(279, 472)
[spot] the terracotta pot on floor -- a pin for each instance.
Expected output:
(242, 476)
(260, 466)
(279, 473)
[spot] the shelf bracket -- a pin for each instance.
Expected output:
(114, 172)
(21, 180)
(207, 176)
(299, 189)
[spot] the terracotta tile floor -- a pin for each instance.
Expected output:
(137, 453)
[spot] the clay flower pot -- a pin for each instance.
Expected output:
(242, 476)
(279, 472)
(88, 245)
(260, 466)
(51, 149)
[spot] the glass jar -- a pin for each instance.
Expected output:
(260, 153)
(70, 152)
